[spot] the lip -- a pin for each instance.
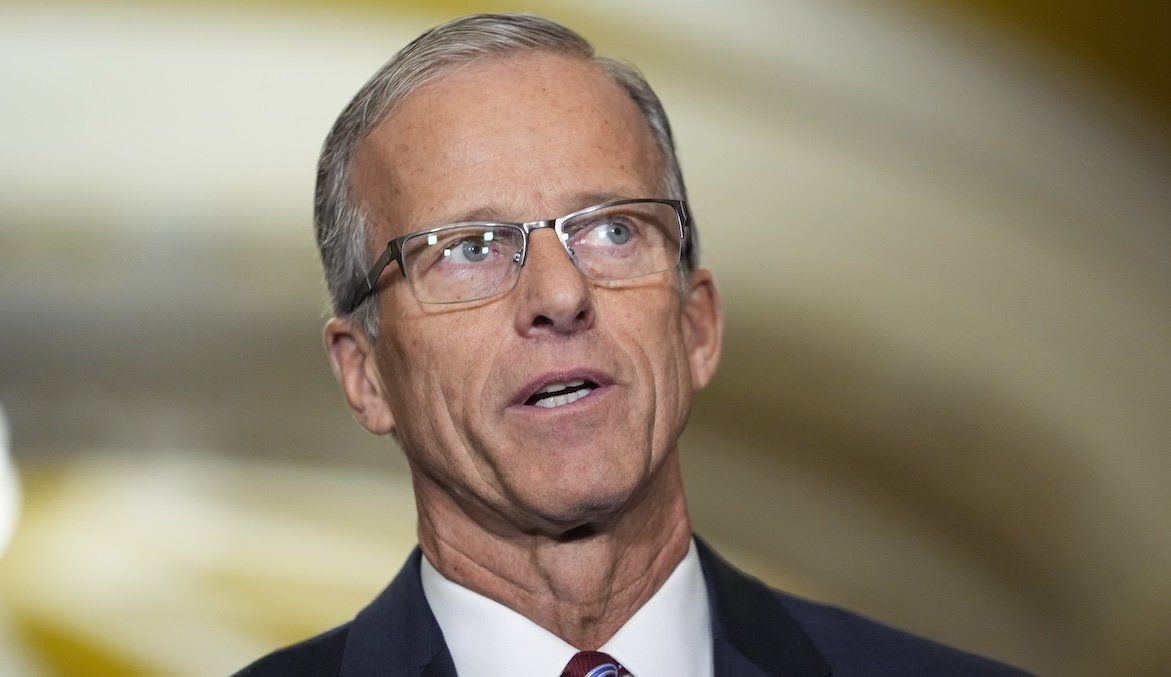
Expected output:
(603, 381)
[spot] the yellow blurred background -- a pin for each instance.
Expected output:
(941, 233)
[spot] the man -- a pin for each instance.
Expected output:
(537, 371)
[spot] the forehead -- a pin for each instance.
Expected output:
(518, 137)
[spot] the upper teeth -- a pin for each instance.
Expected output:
(562, 400)
(555, 395)
(558, 387)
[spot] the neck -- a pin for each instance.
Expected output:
(582, 585)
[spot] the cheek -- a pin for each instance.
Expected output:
(404, 373)
(441, 368)
(675, 386)
(653, 331)
(409, 367)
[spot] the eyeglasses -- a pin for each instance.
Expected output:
(475, 260)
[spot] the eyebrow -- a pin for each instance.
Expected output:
(580, 201)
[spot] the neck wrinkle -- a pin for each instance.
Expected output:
(582, 590)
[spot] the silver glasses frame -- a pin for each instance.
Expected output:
(367, 285)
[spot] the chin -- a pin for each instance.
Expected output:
(587, 488)
(581, 513)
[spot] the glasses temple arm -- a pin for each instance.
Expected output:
(365, 285)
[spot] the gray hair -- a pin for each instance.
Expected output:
(342, 233)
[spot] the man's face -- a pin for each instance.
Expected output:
(519, 139)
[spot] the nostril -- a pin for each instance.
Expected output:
(542, 321)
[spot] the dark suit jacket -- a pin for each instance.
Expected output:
(757, 632)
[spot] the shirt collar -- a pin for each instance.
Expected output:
(669, 635)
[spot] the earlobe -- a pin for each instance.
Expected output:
(703, 327)
(355, 366)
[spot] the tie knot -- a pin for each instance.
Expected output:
(593, 664)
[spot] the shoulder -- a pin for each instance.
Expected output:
(397, 628)
(784, 634)
(855, 645)
(319, 656)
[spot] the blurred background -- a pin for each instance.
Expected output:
(941, 233)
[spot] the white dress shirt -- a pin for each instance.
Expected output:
(670, 636)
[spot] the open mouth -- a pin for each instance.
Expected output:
(561, 393)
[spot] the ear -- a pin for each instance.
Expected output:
(703, 327)
(355, 366)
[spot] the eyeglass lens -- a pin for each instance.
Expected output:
(475, 261)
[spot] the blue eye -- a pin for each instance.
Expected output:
(474, 252)
(616, 233)
(609, 233)
(469, 250)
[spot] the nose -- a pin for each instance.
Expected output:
(555, 298)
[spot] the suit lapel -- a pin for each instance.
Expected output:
(397, 635)
(753, 634)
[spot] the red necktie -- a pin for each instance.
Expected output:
(593, 664)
